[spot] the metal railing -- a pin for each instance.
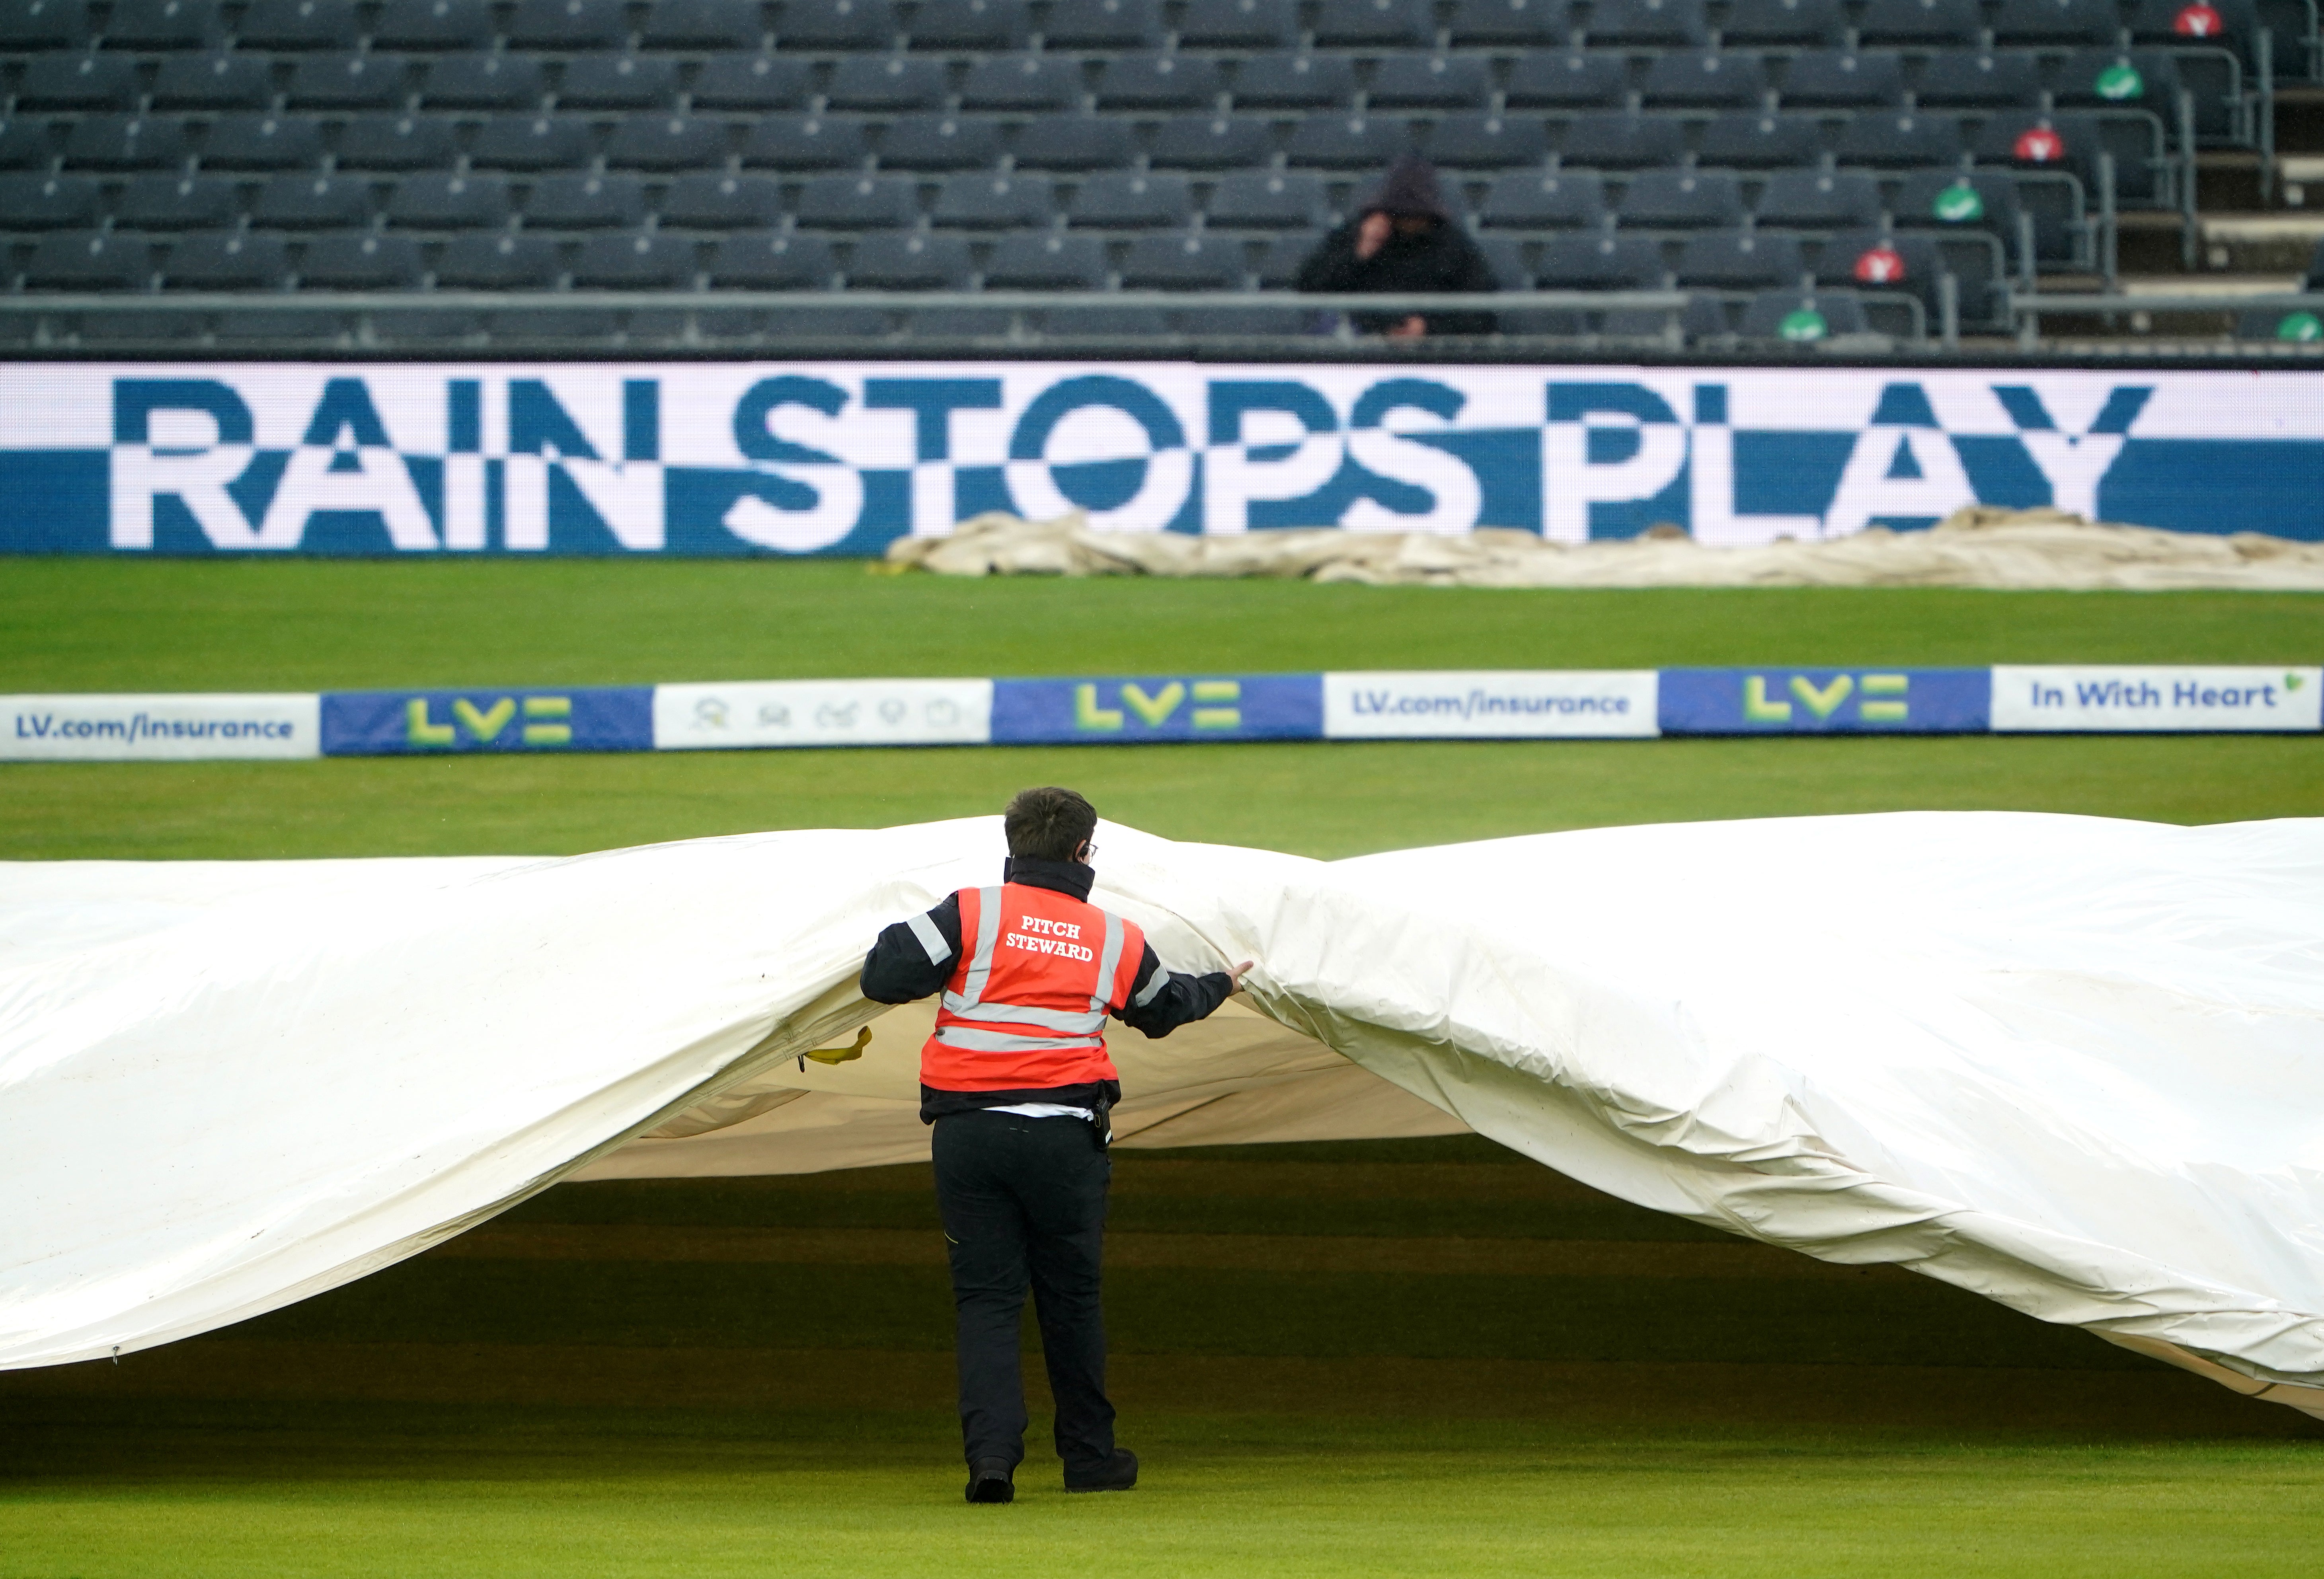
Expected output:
(2027, 310)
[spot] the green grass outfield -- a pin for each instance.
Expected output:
(1408, 1358)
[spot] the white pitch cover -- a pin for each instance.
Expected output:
(161, 728)
(823, 712)
(1497, 704)
(2135, 698)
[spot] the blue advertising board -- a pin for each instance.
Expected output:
(1169, 707)
(430, 723)
(644, 459)
(1826, 702)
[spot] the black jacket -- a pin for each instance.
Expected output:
(898, 969)
(1442, 259)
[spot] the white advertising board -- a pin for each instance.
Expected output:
(161, 728)
(823, 712)
(1490, 704)
(2120, 698)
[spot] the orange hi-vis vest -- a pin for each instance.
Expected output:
(1025, 1007)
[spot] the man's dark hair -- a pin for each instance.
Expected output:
(1048, 823)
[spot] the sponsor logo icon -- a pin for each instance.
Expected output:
(710, 713)
(2198, 21)
(2302, 328)
(837, 715)
(1092, 712)
(1959, 204)
(2118, 82)
(547, 722)
(1804, 326)
(2039, 146)
(1880, 265)
(1882, 699)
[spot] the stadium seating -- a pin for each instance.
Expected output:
(292, 146)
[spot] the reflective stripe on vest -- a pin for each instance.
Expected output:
(1034, 946)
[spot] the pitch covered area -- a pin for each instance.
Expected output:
(1383, 1358)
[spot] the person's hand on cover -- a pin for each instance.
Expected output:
(1372, 235)
(1235, 978)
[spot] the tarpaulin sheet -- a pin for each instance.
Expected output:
(2073, 1064)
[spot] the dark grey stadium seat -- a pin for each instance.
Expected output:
(2032, 141)
(1670, 199)
(1270, 199)
(1505, 255)
(1740, 259)
(1397, 23)
(643, 260)
(1053, 260)
(2291, 327)
(886, 82)
(49, 202)
(77, 80)
(1874, 260)
(1920, 22)
(1622, 141)
(1367, 142)
(1193, 260)
(940, 143)
(348, 82)
(751, 82)
(484, 82)
(1842, 79)
(990, 201)
(226, 260)
(1569, 79)
(1294, 82)
(1704, 79)
(1798, 24)
(1666, 24)
(715, 200)
(1559, 200)
(569, 24)
(667, 143)
(262, 143)
(1759, 142)
(773, 261)
(618, 82)
(703, 24)
(533, 142)
(177, 202)
(360, 260)
(1979, 80)
(2121, 79)
(25, 143)
(1075, 143)
(88, 260)
(1488, 141)
(909, 260)
(1158, 82)
(505, 260)
(1238, 25)
(1430, 82)
(1132, 200)
(311, 202)
(1022, 82)
(574, 201)
(433, 24)
(1599, 261)
(2056, 22)
(1703, 318)
(1960, 200)
(447, 201)
(859, 202)
(1216, 142)
(1900, 142)
(1102, 24)
(213, 82)
(127, 142)
(1280, 256)
(163, 24)
(804, 142)
(1802, 318)
(397, 142)
(45, 24)
(836, 24)
(1509, 24)
(971, 24)
(1819, 199)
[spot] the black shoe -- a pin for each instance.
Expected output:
(989, 1481)
(1119, 1474)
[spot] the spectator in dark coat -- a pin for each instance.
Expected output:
(1404, 239)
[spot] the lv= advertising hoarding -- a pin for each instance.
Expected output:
(621, 459)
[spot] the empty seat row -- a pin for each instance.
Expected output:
(1034, 84)
(842, 25)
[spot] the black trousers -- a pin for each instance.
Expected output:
(1024, 1203)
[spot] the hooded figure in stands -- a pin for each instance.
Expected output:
(1404, 239)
